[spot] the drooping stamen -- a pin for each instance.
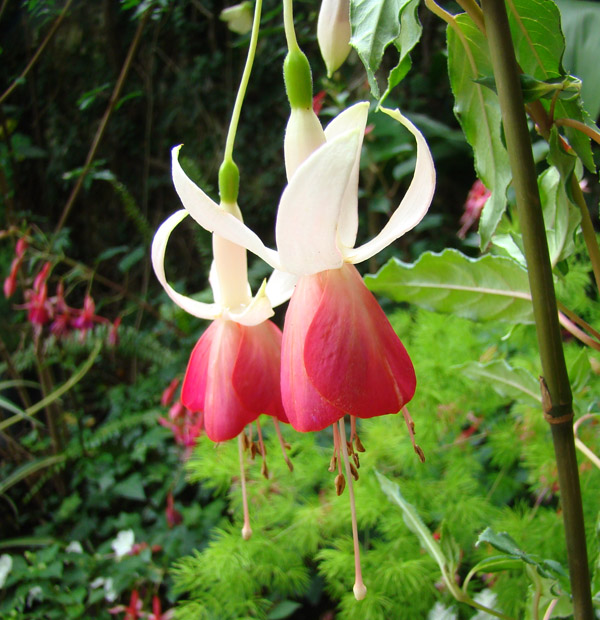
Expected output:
(263, 452)
(246, 529)
(284, 446)
(360, 590)
(354, 438)
(340, 481)
(410, 425)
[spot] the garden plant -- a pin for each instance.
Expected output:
(361, 379)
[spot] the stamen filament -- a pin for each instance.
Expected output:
(246, 529)
(282, 444)
(360, 590)
(410, 425)
(263, 453)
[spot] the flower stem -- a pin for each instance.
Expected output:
(558, 399)
(246, 529)
(360, 590)
(239, 99)
(288, 25)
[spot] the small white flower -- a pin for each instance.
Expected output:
(110, 594)
(35, 594)
(5, 567)
(98, 582)
(74, 547)
(123, 543)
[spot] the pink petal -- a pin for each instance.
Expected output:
(257, 372)
(233, 377)
(340, 354)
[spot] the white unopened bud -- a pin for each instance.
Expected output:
(238, 17)
(303, 136)
(334, 32)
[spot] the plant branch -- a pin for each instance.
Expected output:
(39, 51)
(558, 397)
(104, 122)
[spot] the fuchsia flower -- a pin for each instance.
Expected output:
(339, 352)
(476, 199)
(233, 372)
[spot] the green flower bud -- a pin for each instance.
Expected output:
(229, 182)
(298, 79)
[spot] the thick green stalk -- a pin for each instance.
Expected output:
(558, 398)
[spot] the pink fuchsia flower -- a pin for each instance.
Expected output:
(157, 613)
(476, 199)
(87, 316)
(39, 308)
(233, 372)
(173, 516)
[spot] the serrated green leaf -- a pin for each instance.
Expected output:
(478, 111)
(410, 34)
(375, 24)
(509, 382)
(487, 288)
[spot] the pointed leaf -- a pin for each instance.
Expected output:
(410, 34)
(416, 525)
(488, 288)
(375, 24)
(478, 112)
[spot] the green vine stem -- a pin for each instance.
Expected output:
(555, 383)
(589, 235)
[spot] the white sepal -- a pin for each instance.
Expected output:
(308, 215)
(353, 118)
(214, 219)
(258, 311)
(303, 136)
(280, 287)
(415, 203)
(159, 245)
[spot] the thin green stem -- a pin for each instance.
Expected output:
(239, 99)
(589, 234)
(558, 399)
(288, 26)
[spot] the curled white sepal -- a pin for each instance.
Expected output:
(353, 118)
(415, 203)
(256, 312)
(159, 245)
(214, 219)
(280, 287)
(309, 210)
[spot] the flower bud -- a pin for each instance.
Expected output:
(298, 79)
(238, 17)
(334, 32)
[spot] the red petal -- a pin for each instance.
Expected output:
(233, 377)
(256, 376)
(350, 360)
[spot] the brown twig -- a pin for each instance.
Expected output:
(39, 51)
(104, 122)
